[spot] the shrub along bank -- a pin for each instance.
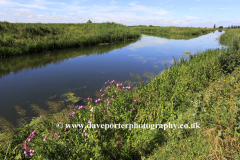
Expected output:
(203, 90)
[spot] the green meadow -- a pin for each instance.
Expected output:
(202, 92)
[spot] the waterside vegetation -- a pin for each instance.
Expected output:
(172, 36)
(28, 38)
(157, 30)
(203, 90)
(231, 38)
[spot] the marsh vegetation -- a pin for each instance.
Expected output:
(157, 30)
(25, 38)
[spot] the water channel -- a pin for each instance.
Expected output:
(34, 79)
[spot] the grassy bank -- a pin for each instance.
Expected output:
(23, 38)
(203, 91)
(172, 36)
(174, 30)
(231, 38)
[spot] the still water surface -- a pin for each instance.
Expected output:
(34, 79)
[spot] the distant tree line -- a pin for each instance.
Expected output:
(233, 27)
(227, 27)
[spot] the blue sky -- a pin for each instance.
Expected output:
(191, 13)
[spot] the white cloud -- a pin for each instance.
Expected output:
(113, 2)
(146, 10)
(150, 41)
(9, 3)
(2, 13)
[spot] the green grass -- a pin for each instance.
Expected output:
(172, 36)
(190, 31)
(204, 89)
(231, 38)
(28, 38)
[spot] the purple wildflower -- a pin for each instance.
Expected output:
(80, 107)
(72, 114)
(25, 145)
(75, 107)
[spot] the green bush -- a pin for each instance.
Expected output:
(229, 60)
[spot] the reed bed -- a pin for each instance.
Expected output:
(203, 90)
(231, 38)
(172, 36)
(22, 38)
(174, 30)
